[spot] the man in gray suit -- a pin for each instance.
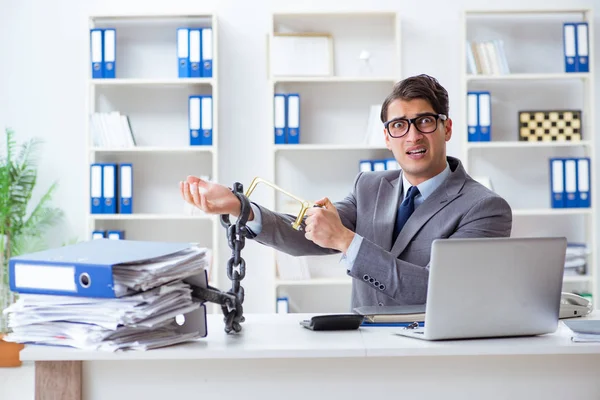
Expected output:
(385, 227)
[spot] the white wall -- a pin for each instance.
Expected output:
(44, 69)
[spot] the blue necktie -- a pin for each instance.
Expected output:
(405, 210)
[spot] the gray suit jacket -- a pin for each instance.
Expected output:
(397, 273)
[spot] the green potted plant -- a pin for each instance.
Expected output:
(22, 225)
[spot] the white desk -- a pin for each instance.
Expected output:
(275, 358)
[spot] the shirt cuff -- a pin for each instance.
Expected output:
(256, 224)
(350, 256)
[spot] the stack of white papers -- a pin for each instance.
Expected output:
(142, 321)
(584, 330)
(576, 259)
(148, 305)
(138, 276)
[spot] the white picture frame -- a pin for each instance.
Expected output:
(301, 54)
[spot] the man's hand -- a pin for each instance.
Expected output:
(324, 227)
(211, 198)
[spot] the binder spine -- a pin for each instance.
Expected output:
(582, 41)
(206, 120)
(485, 116)
(194, 120)
(279, 117)
(97, 53)
(557, 183)
(96, 198)
(207, 53)
(63, 279)
(126, 188)
(569, 47)
(195, 53)
(293, 118)
(110, 53)
(474, 134)
(183, 48)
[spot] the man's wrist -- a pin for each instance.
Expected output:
(346, 240)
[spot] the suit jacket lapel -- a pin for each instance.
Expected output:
(440, 198)
(385, 211)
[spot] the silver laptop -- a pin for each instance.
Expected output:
(492, 287)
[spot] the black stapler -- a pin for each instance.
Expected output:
(333, 322)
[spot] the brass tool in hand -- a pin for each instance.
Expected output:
(305, 205)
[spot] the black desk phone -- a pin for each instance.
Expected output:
(333, 322)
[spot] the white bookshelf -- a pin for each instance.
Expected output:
(519, 171)
(148, 90)
(152, 82)
(325, 147)
(141, 217)
(525, 145)
(155, 149)
(528, 76)
(334, 114)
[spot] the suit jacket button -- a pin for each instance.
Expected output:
(382, 287)
(371, 280)
(376, 283)
(365, 277)
(380, 304)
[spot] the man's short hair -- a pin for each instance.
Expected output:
(418, 87)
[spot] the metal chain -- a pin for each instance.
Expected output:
(236, 266)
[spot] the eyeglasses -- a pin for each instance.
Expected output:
(426, 123)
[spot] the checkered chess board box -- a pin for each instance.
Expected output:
(550, 126)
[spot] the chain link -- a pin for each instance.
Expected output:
(236, 265)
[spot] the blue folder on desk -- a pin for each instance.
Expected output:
(85, 269)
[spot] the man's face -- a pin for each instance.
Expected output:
(420, 155)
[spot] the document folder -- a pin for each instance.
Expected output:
(582, 62)
(392, 314)
(207, 52)
(97, 53)
(86, 269)
(183, 48)
(110, 53)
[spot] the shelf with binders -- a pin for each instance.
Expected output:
(152, 50)
(328, 116)
(525, 44)
(528, 114)
(155, 117)
(328, 74)
(154, 183)
(523, 177)
(148, 113)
